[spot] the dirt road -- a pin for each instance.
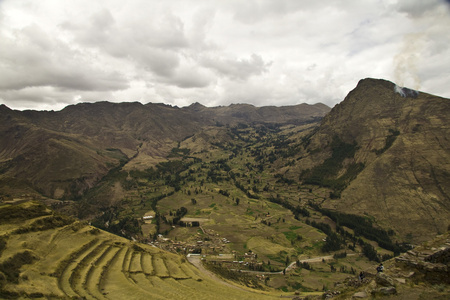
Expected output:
(197, 262)
(313, 260)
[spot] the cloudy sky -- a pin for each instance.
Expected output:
(263, 52)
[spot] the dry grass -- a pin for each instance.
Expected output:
(77, 261)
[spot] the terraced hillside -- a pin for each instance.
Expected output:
(46, 255)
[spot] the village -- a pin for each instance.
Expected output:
(207, 244)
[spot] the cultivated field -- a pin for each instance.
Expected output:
(74, 260)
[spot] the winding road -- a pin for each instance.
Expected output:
(196, 261)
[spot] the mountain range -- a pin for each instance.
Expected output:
(395, 165)
(63, 153)
(272, 185)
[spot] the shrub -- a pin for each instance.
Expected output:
(46, 223)
(11, 267)
(20, 212)
(2, 244)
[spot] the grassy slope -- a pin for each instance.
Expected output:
(79, 260)
(121, 266)
(241, 224)
(404, 144)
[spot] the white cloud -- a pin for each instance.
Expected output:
(31, 58)
(263, 52)
(237, 68)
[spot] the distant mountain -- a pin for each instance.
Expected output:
(386, 153)
(247, 113)
(383, 151)
(62, 154)
(368, 179)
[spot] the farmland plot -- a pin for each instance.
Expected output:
(79, 261)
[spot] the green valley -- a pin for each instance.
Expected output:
(238, 202)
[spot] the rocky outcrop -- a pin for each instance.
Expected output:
(384, 280)
(426, 266)
(441, 256)
(430, 263)
(385, 291)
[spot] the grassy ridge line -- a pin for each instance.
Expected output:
(126, 261)
(135, 263)
(160, 267)
(23, 211)
(79, 273)
(93, 275)
(116, 282)
(45, 223)
(174, 269)
(147, 264)
(107, 271)
(187, 269)
(64, 271)
(106, 268)
(161, 290)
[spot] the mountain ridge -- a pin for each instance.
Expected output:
(402, 143)
(384, 153)
(371, 179)
(145, 133)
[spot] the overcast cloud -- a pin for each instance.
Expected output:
(263, 52)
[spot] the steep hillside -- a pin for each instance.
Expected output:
(421, 273)
(251, 189)
(46, 255)
(390, 158)
(246, 113)
(62, 154)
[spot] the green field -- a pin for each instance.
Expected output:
(77, 260)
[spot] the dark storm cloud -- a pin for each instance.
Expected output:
(417, 8)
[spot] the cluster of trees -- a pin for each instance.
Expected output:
(174, 174)
(343, 269)
(296, 210)
(224, 193)
(2, 244)
(180, 213)
(336, 240)
(154, 200)
(282, 179)
(10, 268)
(303, 265)
(268, 223)
(177, 152)
(333, 242)
(363, 227)
(247, 192)
(126, 226)
(390, 139)
(325, 174)
(240, 277)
